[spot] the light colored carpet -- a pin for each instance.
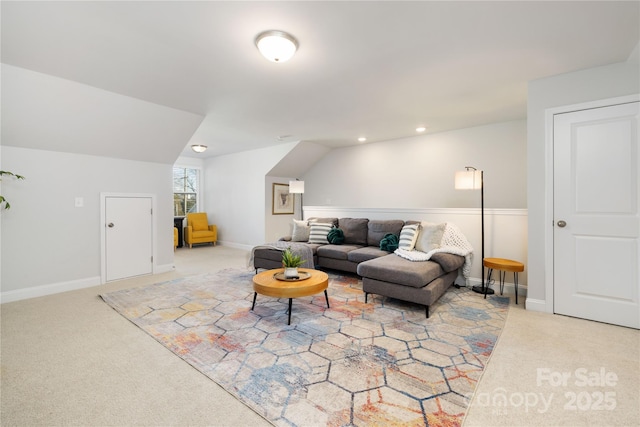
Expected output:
(550, 370)
(67, 359)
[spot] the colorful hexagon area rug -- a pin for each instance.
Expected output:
(353, 364)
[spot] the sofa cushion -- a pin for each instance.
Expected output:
(391, 268)
(426, 295)
(377, 229)
(199, 222)
(430, 236)
(408, 236)
(448, 262)
(365, 254)
(336, 251)
(355, 230)
(202, 234)
(300, 231)
(318, 232)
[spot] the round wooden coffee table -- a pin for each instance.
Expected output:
(265, 283)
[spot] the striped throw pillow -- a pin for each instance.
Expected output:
(318, 232)
(408, 237)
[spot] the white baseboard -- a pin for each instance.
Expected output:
(72, 285)
(237, 245)
(536, 305)
(165, 268)
(53, 288)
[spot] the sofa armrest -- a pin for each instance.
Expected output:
(448, 262)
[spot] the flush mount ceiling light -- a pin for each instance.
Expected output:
(276, 46)
(362, 139)
(199, 148)
(421, 129)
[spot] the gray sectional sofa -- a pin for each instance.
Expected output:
(382, 273)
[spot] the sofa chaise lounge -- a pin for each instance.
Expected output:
(382, 272)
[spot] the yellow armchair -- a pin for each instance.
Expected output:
(198, 229)
(175, 238)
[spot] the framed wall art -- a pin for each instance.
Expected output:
(282, 203)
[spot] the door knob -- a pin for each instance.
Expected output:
(110, 225)
(562, 224)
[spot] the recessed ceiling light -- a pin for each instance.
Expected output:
(362, 139)
(421, 129)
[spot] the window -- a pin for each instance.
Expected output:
(185, 190)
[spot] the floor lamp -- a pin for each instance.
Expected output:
(473, 179)
(297, 187)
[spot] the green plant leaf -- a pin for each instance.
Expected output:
(290, 260)
(2, 199)
(11, 174)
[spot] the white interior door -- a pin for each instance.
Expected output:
(596, 222)
(128, 237)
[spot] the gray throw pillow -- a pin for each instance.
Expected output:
(301, 231)
(430, 236)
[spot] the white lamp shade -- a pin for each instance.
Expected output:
(468, 180)
(276, 46)
(296, 187)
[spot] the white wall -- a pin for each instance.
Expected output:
(566, 89)
(236, 194)
(413, 178)
(418, 172)
(191, 162)
(277, 226)
(48, 244)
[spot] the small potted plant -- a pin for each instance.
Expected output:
(3, 202)
(291, 262)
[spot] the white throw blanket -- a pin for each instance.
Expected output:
(301, 249)
(453, 242)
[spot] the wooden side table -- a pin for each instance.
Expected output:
(503, 265)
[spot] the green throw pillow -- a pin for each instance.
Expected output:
(389, 242)
(335, 236)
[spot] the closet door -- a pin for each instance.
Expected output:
(596, 221)
(128, 237)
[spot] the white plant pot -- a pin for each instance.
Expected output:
(290, 272)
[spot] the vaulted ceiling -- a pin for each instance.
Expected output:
(130, 79)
